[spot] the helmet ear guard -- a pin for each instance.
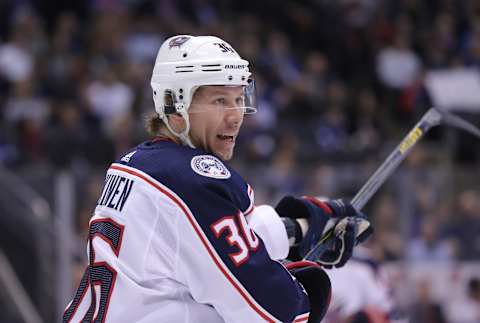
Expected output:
(166, 102)
(171, 105)
(170, 100)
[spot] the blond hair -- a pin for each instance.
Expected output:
(154, 124)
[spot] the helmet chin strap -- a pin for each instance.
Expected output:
(183, 136)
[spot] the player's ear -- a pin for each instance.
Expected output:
(177, 122)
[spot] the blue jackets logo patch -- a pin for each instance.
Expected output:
(178, 41)
(209, 166)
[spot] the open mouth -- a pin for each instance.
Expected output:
(226, 138)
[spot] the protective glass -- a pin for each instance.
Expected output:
(244, 101)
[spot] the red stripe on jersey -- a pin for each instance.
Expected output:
(198, 232)
(252, 205)
(161, 138)
(301, 318)
(249, 210)
(249, 190)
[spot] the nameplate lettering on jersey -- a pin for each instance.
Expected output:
(115, 192)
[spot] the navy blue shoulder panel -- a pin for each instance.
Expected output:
(170, 164)
(214, 192)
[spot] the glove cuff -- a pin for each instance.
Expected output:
(300, 264)
(316, 283)
(324, 206)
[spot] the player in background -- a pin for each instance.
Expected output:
(361, 292)
(176, 237)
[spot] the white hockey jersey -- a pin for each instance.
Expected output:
(358, 286)
(169, 242)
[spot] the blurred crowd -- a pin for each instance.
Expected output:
(338, 83)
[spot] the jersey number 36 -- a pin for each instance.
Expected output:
(237, 233)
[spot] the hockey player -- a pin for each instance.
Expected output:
(361, 292)
(175, 236)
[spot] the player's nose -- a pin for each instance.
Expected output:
(234, 117)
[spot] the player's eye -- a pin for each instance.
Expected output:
(239, 101)
(220, 101)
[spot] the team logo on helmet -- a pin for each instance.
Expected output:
(209, 166)
(178, 41)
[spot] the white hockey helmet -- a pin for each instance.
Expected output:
(185, 63)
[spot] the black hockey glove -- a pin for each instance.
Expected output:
(317, 285)
(334, 223)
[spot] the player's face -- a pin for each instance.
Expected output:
(215, 119)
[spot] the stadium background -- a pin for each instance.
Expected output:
(339, 83)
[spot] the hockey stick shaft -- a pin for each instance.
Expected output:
(430, 119)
